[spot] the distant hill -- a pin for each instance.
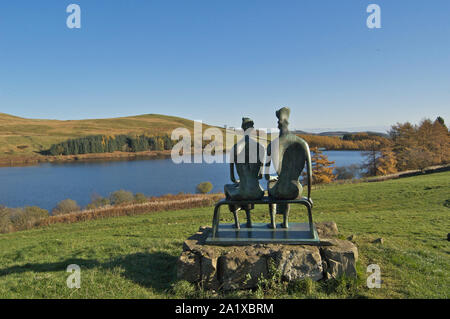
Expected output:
(26, 137)
(340, 133)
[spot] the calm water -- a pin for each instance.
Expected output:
(45, 185)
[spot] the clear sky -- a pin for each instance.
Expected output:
(219, 60)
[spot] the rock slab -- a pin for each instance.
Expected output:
(339, 258)
(240, 267)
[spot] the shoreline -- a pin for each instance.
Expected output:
(115, 156)
(24, 161)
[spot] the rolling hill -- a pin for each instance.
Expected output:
(21, 137)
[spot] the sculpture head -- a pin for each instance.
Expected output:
(247, 123)
(283, 119)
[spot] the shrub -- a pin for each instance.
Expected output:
(5, 221)
(347, 172)
(25, 218)
(140, 198)
(13, 219)
(204, 187)
(272, 284)
(98, 201)
(65, 207)
(121, 197)
(36, 211)
(156, 204)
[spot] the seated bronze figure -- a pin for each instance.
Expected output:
(289, 155)
(249, 167)
(289, 160)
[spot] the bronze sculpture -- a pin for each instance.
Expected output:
(248, 167)
(288, 153)
(289, 160)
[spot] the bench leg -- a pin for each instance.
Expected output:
(311, 225)
(215, 222)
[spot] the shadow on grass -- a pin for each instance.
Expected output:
(151, 270)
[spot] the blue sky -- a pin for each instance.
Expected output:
(217, 60)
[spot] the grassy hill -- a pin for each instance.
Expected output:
(135, 257)
(26, 137)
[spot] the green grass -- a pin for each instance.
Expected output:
(135, 257)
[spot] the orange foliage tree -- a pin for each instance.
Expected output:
(380, 160)
(387, 163)
(322, 168)
(359, 141)
(419, 146)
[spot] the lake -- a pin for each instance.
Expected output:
(44, 185)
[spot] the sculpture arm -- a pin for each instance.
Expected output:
(232, 177)
(309, 171)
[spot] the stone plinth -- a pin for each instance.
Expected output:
(239, 267)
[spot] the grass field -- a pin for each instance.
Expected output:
(21, 137)
(135, 257)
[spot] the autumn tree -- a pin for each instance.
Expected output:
(371, 158)
(440, 142)
(350, 141)
(419, 146)
(386, 162)
(441, 121)
(379, 160)
(404, 138)
(322, 168)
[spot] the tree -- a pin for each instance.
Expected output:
(204, 187)
(440, 142)
(152, 143)
(97, 201)
(419, 146)
(404, 139)
(441, 121)
(347, 172)
(102, 144)
(159, 144)
(371, 159)
(322, 168)
(121, 197)
(25, 218)
(386, 162)
(65, 207)
(5, 222)
(140, 198)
